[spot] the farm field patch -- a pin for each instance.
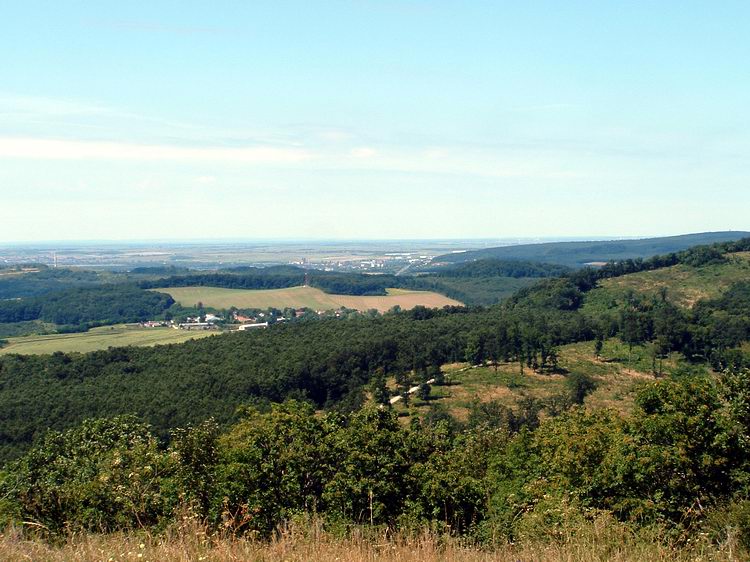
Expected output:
(303, 297)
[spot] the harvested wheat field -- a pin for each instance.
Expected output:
(307, 297)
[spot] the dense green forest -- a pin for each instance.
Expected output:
(83, 307)
(46, 280)
(281, 277)
(501, 268)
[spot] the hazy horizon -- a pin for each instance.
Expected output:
(386, 119)
(504, 240)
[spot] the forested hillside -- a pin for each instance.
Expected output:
(44, 280)
(482, 283)
(82, 307)
(578, 254)
(330, 362)
(327, 362)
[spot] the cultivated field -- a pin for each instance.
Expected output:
(98, 338)
(303, 297)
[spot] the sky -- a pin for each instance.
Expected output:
(372, 119)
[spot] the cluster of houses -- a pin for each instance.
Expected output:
(211, 321)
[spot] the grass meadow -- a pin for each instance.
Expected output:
(685, 285)
(99, 338)
(617, 372)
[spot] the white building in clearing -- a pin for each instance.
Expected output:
(244, 327)
(195, 326)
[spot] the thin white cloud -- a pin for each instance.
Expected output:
(43, 149)
(363, 152)
(44, 106)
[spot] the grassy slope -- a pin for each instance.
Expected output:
(26, 328)
(685, 284)
(298, 297)
(616, 374)
(99, 338)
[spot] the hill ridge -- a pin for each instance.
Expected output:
(580, 253)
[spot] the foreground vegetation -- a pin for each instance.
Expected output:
(668, 472)
(599, 541)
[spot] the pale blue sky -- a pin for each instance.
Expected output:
(372, 119)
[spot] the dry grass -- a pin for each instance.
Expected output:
(686, 285)
(598, 542)
(617, 372)
(405, 299)
(298, 297)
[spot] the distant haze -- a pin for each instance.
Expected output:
(387, 119)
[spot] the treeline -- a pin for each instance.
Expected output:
(586, 278)
(282, 277)
(475, 291)
(258, 280)
(503, 268)
(82, 307)
(481, 284)
(46, 280)
(669, 468)
(158, 270)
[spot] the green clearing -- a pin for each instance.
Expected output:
(99, 338)
(302, 297)
(685, 285)
(617, 372)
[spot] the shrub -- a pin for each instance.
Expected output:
(103, 475)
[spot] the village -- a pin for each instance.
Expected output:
(236, 320)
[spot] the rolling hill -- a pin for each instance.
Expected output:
(684, 285)
(578, 254)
